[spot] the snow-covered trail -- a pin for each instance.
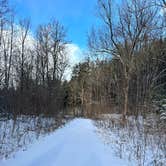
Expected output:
(77, 144)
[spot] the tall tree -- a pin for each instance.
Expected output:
(132, 26)
(24, 29)
(51, 50)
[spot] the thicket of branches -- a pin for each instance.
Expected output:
(133, 73)
(32, 67)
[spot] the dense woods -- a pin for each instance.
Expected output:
(31, 66)
(125, 68)
(102, 81)
(130, 76)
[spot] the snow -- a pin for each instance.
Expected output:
(18, 133)
(139, 141)
(104, 141)
(76, 144)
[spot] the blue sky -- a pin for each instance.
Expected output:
(77, 16)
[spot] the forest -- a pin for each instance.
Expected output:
(124, 67)
(108, 108)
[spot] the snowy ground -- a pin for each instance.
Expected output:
(85, 142)
(77, 144)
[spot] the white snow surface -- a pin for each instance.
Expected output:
(76, 144)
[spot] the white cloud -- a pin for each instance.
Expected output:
(163, 11)
(75, 55)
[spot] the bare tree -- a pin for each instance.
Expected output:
(7, 46)
(24, 29)
(58, 50)
(4, 10)
(51, 51)
(132, 26)
(43, 49)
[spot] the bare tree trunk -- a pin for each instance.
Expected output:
(82, 96)
(24, 24)
(126, 91)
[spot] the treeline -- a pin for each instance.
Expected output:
(129, 70)
(32, 67)
(101, 82)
